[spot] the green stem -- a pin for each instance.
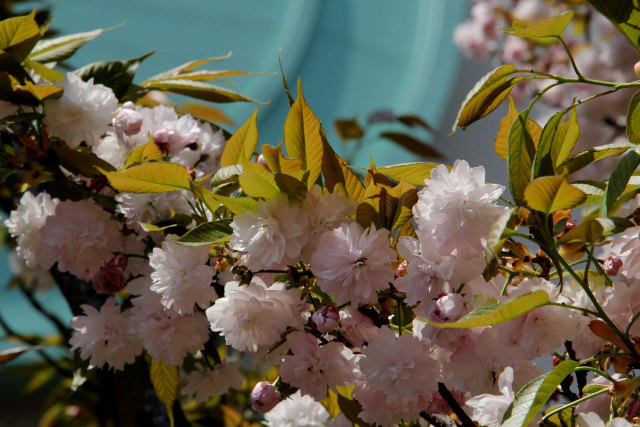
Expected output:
(633, 319)
(597, 371)
(573, 307)
(598, 265)
(573, 62)
(574, 403)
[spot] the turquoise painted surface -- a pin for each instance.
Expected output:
(353, 57)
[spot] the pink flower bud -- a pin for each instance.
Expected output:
(109, 279)
(448, 308)
(612, 265)
(325, 319)
(262, 161)
(264, 397)
(127, 120)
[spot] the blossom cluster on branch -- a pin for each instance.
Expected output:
(290, 288)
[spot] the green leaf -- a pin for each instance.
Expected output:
(84, 163)
(549, 28)
(337, 173)
(19, 35)
(543, 160)
(242, 144)
(149, 152)
(498, 313)
(237, 205)
(565, 139)
(118, 75)
(61, 48)
(633, 119)
(156, 177)
(366, 215)
(405, 196)
(348, 129)
(256, 181)
(533, 396)
(585, 158)
(412, 144)
(595, 229)
(495, 239)
(39, 92)
(12, 353)
(624, 14)
(412, 173)
(199, 90)
(205, 234)
(485, 96)
(302, 136)
(552, 193)
(502, 138)
(294, 188)
(351, 409)
(619, 179)
(227, 174)
(165, 380)
(521, 151)
(189, 66)
(44, 71)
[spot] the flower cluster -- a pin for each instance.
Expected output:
(288, 290)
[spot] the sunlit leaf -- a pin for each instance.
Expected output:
(12, 353)
(485, 96)
(633, 119)
(242, 144)
(337, 173)
(279, 163)
(619, 179)
(406, 195)
(348, 129)
(585, 158)
(565, 139)
(226, 174)
(498, 313)
(412, 173)
(165, 380)
(237, 205)
(256, 181)
(149, 152)
(60, 48)
(595, 229)
(40, 92)
(302, 137)
(205, 112)
(552, 193)
(521, 150)
(18, 35)
(295, 189)
(189, 66)
(549, 28)
(543, 160)
(533, 396)
(502, 138)
(495, 239)
(118, 75)
(44, 71)
(156, 177)
(199, 90)
(205, 234)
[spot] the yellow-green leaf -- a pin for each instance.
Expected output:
(154, 177)
(165, 380)
(294, 188)
(406, 195)
(205, 196)
(338, 175)
(44, 71)
(543, 161)
(595, 229)
(302, 136)
(42, 91)
(502, 138)
(495, 238)
(485, 96)
(205, 234)
(633, 119)
(498, 313)
(521, 150)
(552, 193)
(185, 68)
(19, 35)
(348, 129)
(12, 353)
(196, 89)
(149, 152)
(60, 48)
(585, 158)
(619, 179)
(565, 139)
(528, 402)
(412, 173)
(237, 205)
(549, 28)
(624, 14)
(242, 144)
(256, 181)
(279, 163)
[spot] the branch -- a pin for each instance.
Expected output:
(455, 407)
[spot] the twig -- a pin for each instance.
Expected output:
(455, 407)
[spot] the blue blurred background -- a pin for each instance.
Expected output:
(354, 57)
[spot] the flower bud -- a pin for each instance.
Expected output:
(612, 265)
(264, 397)
(448, 308)
(262, 161)
(325, 319)
(109, 279)
(636, 68)
(127, 120)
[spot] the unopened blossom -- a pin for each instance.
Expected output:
(312, 368)
(82, 113)
(106, 336)
(401, 366)
(274, 232)
(457, 209)
(264, 397)
(127, 121)
(448, 308)
(24, 224)
(181, 275)
(612, 265)
(352, 264)
(297, 411)
(204, 383)
(325, 319)
(489, 409)
(251, 316)
(82, 236)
